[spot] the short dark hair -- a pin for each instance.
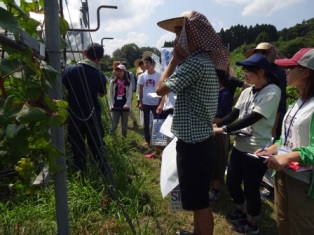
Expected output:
(95, 51)
(150, 60)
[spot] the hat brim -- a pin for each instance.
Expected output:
(171, 24)
(286, 62)
(137, 63)
(250, 52)
(147, 54)
(245, 63)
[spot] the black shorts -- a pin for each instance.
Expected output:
(194, 164)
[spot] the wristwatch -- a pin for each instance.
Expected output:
(224, 128)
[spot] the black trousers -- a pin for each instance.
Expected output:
(146, 111)
(92, 131)
(250, 172)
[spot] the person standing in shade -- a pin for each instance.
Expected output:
(120, 98)
(198, 50)
(294, 192)
(85, 83)
(221, 142)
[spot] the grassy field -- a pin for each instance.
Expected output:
(132, 205)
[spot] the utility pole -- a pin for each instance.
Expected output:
(51, 12)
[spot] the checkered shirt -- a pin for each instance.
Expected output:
(196, 85)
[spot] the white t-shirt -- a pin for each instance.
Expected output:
(296, 131)
(264, 102)
(149, 82)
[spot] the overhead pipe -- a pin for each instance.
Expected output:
(98, 20)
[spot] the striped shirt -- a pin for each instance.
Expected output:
(196, 85)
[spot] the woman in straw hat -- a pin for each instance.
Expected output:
(198, 51)
(294, 151)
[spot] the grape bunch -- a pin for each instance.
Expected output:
(25, 168)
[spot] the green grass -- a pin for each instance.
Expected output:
(93, 204)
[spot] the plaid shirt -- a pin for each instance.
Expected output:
(196, 85)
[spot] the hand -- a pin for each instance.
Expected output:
(159, 110)
(179, 55)
(218, 130)
(126, 107)
(140, 106)
(277, 162)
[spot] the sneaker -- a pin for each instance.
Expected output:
(183, 232)
(245, 227)
(236, 216)
(214, 195)
(150, 155)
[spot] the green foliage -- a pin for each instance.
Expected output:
(129, 53)
(27, 113)
(8, 21)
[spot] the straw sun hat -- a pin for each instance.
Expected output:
(147, 54)
(137, 63)
(170, 24)
(264, 46)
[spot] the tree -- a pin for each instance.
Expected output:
(262, 37)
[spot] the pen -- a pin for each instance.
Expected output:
(267, 144)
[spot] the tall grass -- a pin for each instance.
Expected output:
(99, 206)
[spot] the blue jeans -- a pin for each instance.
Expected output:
(250, 172)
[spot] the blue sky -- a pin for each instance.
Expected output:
(135, 20)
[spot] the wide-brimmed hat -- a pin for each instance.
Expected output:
(197, 31)
(147, 54)
(304, 57)
(256, 61)
(263, 46)
(170, 24)
(137, 63)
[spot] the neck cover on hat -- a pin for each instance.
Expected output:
(199, 32)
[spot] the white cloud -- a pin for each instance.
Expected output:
(258, 7)
(140, 39)
(168, 37)
(117, 23)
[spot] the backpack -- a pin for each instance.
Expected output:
(133, 80)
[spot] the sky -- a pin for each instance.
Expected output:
(135, 21)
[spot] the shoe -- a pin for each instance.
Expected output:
(236, 216)
(150, 155)
(245, 227)
(183, 232)
(214, 195)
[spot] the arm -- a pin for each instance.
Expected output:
(176, 59)
(111, 94)
(161, 105)
(161, 89)
(245, 122)
(129, 95)
(141, 96)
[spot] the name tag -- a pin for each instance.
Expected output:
(119, 97)
(283, 150)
